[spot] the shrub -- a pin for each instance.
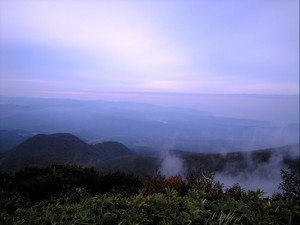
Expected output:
(42, 183)
(160, 184)
(290, 184)
(120, 182)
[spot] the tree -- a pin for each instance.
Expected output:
(290, 184)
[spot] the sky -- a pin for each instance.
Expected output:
(90, 48)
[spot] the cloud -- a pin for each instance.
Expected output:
(66, 92)
(181, 46)
(116, 31)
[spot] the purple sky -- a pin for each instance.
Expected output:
(75, 48)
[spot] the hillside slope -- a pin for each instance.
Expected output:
(64, 148)
(111, 149)
(237, 162)
(60, 148)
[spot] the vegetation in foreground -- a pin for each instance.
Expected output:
(69, 194)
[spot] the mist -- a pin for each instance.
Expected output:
(265, 175)
(280, 109)
(152, 89)
(144, 125)
(171, 165)
(252, 170)
(171, 134)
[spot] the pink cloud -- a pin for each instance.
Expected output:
(129, 94)
(117, 94)
(66, 92)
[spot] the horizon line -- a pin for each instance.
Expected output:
(140, 94)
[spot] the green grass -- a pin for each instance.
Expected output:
(160, 208)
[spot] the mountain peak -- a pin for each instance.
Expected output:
(58, 140)
(61, 148)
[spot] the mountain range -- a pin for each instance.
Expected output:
(141, 127)
(65, 148)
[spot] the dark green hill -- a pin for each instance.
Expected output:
(136, 164)
(61, 148)
(111, 149)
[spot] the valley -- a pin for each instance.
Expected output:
(64, 148)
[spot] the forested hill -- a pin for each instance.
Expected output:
(64, 148)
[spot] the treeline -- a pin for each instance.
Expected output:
(70, 194)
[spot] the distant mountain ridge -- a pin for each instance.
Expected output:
(61, 148)
(65, 148)
(244, 161)
(111, 149)
(142, 126)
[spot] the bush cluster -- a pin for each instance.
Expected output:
(64, 194)
(38, 184)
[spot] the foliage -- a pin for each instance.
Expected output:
(125, 200)
(120, 182)
(160, 184)
(41, 183)
(290, 184)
